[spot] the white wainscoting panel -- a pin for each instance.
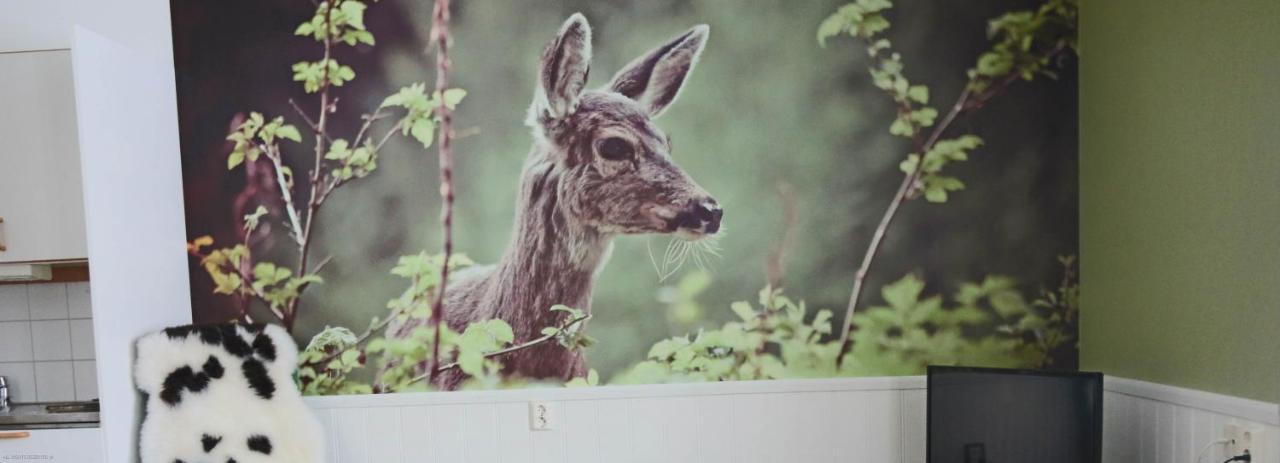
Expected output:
(874, 420)
(1153, 423)
(838, 420)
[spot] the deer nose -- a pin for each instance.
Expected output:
(702, 215)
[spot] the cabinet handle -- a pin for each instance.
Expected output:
(2, 248)
(14, 435)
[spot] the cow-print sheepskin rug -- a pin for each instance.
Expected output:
(223, 394)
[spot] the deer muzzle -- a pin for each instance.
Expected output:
(700, 217)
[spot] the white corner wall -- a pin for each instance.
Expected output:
(133, 214)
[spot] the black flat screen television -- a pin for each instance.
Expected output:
(988, 415)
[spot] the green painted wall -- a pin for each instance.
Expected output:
(1180, 193)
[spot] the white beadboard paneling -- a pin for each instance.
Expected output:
(1145, 422)
(384, 441)
(716, 415)
(579, 423)
(13, 303)
(515, 441)
(479, 432)
(854, 419)
(914, 417)
(351, 435)
(444, 433)
(613, 433)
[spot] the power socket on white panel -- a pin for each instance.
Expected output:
(542, 416)
(1244, 437)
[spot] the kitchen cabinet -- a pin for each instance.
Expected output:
(41, 201)
(79, 445)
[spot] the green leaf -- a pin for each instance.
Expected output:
(305, 29)
(935, 195)
(831, 27)
(904, 293)
(235, 159)
(423, 130)
(902, 127)
(453, 96)
(924, 116)
(743, 310)
(251, 220)
(919, 94)
(353, 12)
(289, 132)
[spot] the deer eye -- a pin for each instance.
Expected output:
(614, 149)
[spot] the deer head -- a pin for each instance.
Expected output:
(613, 164)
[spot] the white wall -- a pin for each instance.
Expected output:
(134, 217)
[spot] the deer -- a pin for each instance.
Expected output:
(599, 168)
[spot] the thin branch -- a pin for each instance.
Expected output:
(440, 35)
(286, 193)
(395, 128)
(775, 264)
(304, 233)
(967, 101)
(314, 127)
(877, 238)
(508, 350)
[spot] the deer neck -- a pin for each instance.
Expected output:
(552, 259)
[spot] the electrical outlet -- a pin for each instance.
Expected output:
(542, 416)
(1247, 437)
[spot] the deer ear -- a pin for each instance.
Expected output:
(562, 73)
(654, 79)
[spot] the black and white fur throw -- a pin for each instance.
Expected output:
(223, 394)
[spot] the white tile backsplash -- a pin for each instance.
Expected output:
(13, 303)
(55, 382)
(86, 372)
(82, 339)
(51, 339)
(48, 301)
(43, 328)
(15, 342)
(78, 300)
(21, 378)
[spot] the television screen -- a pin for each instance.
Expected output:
(984, 415)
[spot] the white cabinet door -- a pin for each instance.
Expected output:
(77, 445)
(41, 203)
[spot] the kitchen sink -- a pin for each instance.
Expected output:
(50, 415)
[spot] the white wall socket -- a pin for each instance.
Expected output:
(542, 416)
(1247, 437)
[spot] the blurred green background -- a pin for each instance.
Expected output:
(765, 105)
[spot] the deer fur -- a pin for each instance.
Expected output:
(577, 194)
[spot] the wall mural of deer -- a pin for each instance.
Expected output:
(599, 168)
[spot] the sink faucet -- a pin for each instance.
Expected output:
(4, 395)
